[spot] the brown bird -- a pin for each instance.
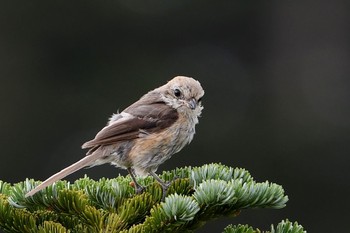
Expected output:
(145, 134)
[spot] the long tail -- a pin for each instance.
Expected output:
(84, 162)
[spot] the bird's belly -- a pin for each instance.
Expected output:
(154, 149)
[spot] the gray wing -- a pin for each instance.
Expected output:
(146, 117)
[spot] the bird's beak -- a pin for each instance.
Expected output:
(192, 103)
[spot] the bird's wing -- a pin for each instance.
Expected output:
(147, 118)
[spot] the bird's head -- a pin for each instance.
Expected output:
(183, 93)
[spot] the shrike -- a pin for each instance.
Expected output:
(145, 134)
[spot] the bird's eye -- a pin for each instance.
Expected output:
(200, 100)
(177, 92)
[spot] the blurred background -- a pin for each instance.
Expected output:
(276, 77)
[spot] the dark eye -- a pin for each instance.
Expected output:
(177, 92)
(200, 99)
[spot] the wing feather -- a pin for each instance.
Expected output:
(146, 118)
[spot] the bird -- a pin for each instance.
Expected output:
(145, 134)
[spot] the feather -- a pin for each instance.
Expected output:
(86, 161)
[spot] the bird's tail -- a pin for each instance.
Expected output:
(84, 162)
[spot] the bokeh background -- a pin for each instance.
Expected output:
(276, 77)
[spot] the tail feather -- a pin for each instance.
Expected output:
(84, 162)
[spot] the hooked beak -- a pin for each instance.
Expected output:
(192, 103)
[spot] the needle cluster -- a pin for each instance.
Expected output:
(196, 195)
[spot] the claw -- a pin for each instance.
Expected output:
(138, 188)
(165, 185)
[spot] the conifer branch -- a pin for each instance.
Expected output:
(282, 227)
(196, 195)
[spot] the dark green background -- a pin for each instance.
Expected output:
(276, 78)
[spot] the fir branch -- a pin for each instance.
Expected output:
(283, 227)
(195, 196)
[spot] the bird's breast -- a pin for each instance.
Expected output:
(151, 150)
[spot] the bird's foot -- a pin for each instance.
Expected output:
(139, 189)
(165, 187)
(165, 184)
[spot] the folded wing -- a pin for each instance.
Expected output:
(140, 118)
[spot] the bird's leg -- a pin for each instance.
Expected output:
(165, 185)
(138, 188)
